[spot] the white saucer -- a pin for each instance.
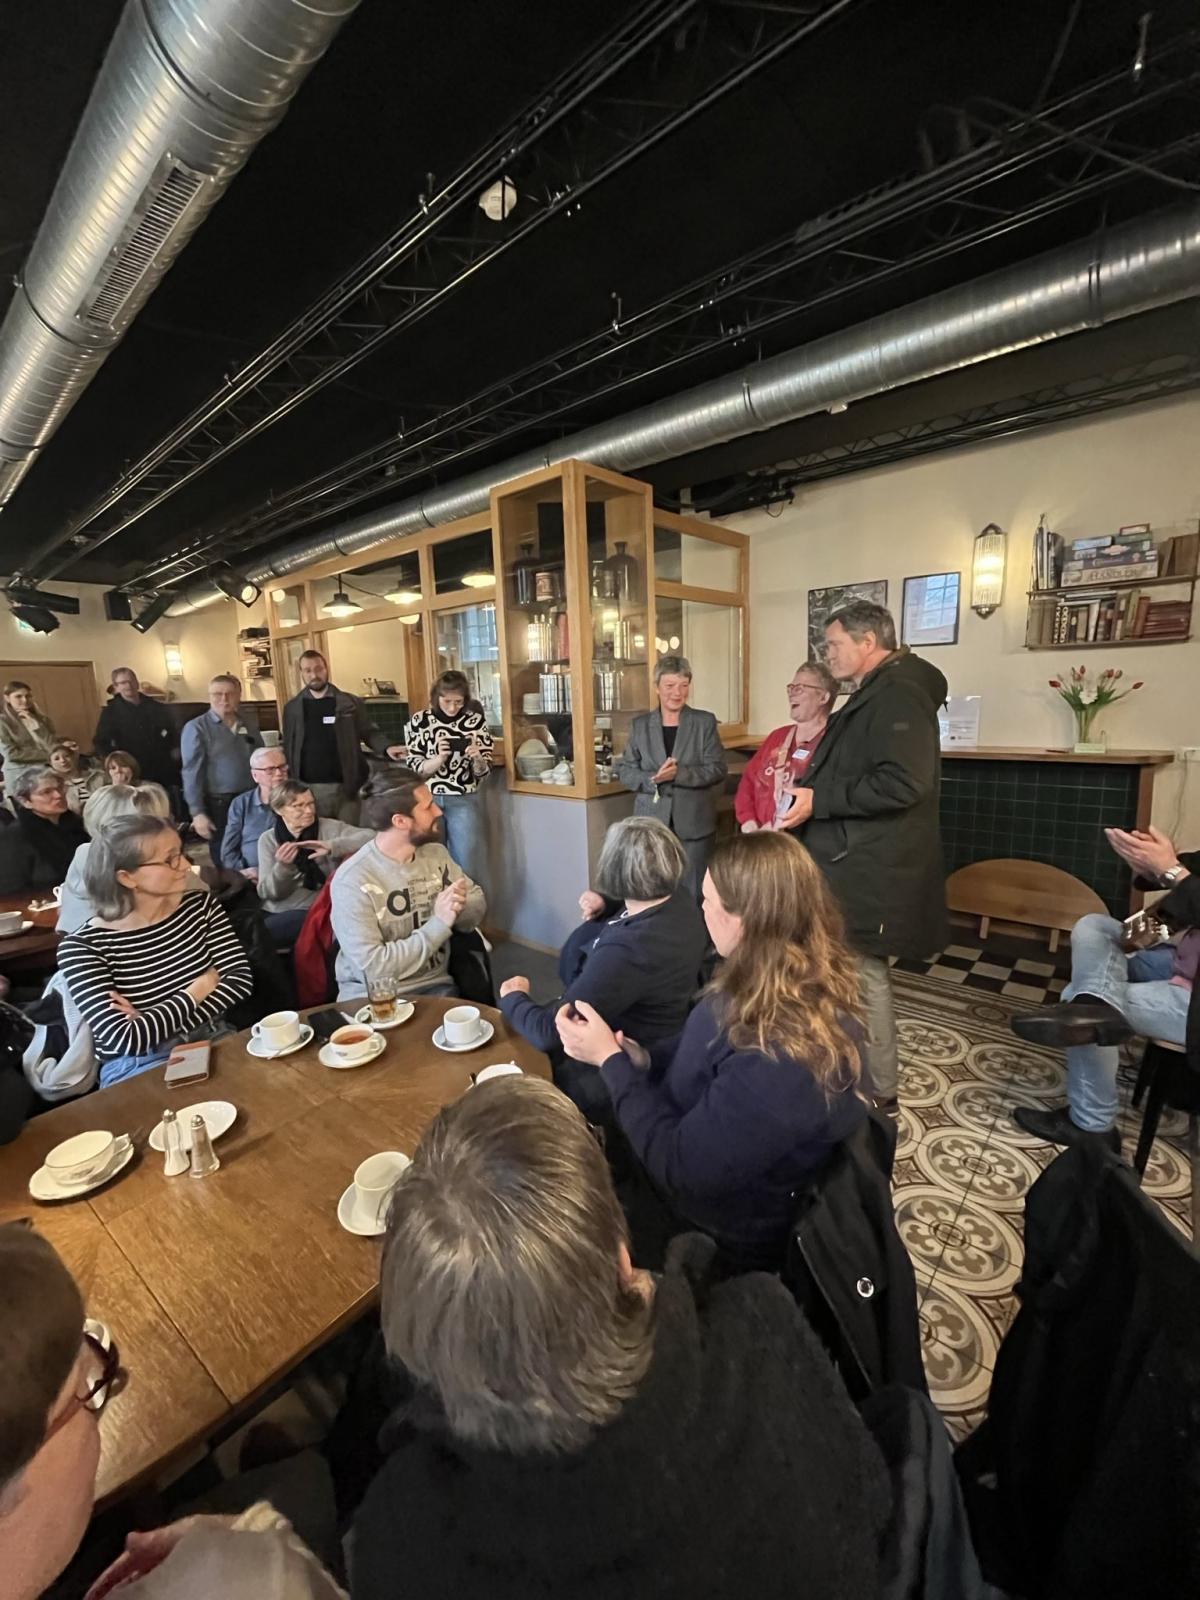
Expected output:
(403, 1011)
(219, 1117)
(259, 1051)
(327, 1058)
(485, 1033)
(43, 1187)
(14, 933)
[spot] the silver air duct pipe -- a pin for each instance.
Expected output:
(185, 93)
(1147, 263)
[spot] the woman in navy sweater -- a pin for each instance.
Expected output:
(730, 1117)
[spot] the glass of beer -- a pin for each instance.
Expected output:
(381, 996)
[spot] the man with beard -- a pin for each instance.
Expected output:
(324, 730)
(395, 903)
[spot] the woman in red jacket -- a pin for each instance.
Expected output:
(781, 761)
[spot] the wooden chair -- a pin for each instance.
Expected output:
(1166, 1078)
(1013, 890)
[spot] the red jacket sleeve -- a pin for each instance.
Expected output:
(745, 807)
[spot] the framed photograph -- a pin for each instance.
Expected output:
(822, 603)
(931, 609)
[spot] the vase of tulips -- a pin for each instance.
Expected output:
(1087, 697)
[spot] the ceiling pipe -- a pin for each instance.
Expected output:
(186, 92)
(1150, 262)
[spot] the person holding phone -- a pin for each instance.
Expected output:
(450, 747)
(297, 854)
(158, 963)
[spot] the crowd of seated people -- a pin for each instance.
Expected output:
(297, 853)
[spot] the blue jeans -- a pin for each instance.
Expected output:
(463, 823)
(1137, 986)
(129, 1066)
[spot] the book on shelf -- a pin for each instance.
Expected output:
(1181, 561)
(1076, 576)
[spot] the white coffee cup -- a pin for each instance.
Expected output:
(498, 1069)
(460, 1025)
(278, 1030)
(374, 1180)
(352, 1042)
(10, 922)
(85, 1156)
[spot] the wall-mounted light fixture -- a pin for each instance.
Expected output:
(173, 660)
(987, 569)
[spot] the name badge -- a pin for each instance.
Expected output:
(328, 720)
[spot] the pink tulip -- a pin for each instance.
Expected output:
(1055, 683)
(1140, 684)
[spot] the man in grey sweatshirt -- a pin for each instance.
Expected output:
(395, 902)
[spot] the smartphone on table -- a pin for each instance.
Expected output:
(188, 1063)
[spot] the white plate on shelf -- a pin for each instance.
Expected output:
(327, 1058)
(219, 1116)
(43, 1186)
(261, 1052)
(403, 1011)
(14, 933)
(482, 1037)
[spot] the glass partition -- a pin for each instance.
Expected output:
(685, 558)
(466, 641)
(289, 605)
(460, 565)
(287, 653)
(538, 662)
(621, 596)
(710, 636)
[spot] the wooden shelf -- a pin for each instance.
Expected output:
(1108, 588)
(1111, 644)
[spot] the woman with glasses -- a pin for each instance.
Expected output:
(36, 851)
(764, 796)
(158, 963)
(60, 1374)
(298, 853)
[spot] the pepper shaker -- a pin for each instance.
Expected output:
(174, 1160)
(204, 1157)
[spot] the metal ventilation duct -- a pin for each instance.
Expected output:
(185, 93)
(1150, 262)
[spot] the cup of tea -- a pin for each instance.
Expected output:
(381, 998)
(277, 1030)
(351, 1043)
(10, 922)
(374, 1180)
(461, 1024)
(85, 1156)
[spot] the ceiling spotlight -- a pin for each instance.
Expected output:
(479, 580)
(498, 200)
(340, 604)
(157, 608)
(279, 596)
(36, 618)
(235, 586)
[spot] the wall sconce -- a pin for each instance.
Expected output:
(987, 569)
(173, 657)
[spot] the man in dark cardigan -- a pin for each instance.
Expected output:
(868, 812)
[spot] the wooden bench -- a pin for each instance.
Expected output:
(1012, 890)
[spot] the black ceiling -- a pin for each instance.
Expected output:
(415, 88)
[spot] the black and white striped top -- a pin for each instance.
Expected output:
(151, 967)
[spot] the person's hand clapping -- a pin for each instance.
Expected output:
(516, 985)
(591, 905)
(1149, 854)
(450, 902)
(586, 1036)
(666, 773)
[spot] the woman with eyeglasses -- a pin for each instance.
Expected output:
(60, 1374)
(764, 796)
(158, 963)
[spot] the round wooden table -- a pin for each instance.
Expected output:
(36, 941)
(215, 1288)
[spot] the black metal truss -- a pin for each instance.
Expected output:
(997, 419)
(662, 68)
(1023, 171)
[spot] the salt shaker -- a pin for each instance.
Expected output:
(204, 1157)
(174, 1160)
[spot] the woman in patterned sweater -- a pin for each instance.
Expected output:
(450, 747)
(157, 963)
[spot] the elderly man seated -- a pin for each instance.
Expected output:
(1150, 991)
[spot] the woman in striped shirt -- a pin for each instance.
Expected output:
(157, 963)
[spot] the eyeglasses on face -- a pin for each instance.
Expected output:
(100, 1370)
(805, 688)
(174, 860)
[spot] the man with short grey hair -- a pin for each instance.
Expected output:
(216, 748)
(868, 812)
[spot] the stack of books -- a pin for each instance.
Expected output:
(1124, 557)
(1166, 619)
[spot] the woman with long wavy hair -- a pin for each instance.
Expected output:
(729, 1118)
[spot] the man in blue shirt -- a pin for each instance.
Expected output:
(251, 814)
(216, 748)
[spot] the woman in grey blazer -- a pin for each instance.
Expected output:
(675, 764)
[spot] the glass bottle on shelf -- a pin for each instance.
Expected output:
(604, 583)
(624, 570)
(524, 568)
(548, 583)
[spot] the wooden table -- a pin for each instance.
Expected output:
(39, 939)
(215, 1288)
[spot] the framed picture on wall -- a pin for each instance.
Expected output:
(822, 603)
(930, 614)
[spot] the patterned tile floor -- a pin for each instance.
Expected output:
(963, 1168)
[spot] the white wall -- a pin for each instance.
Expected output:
(370, 650)
(1088, 477)
(207, 639)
